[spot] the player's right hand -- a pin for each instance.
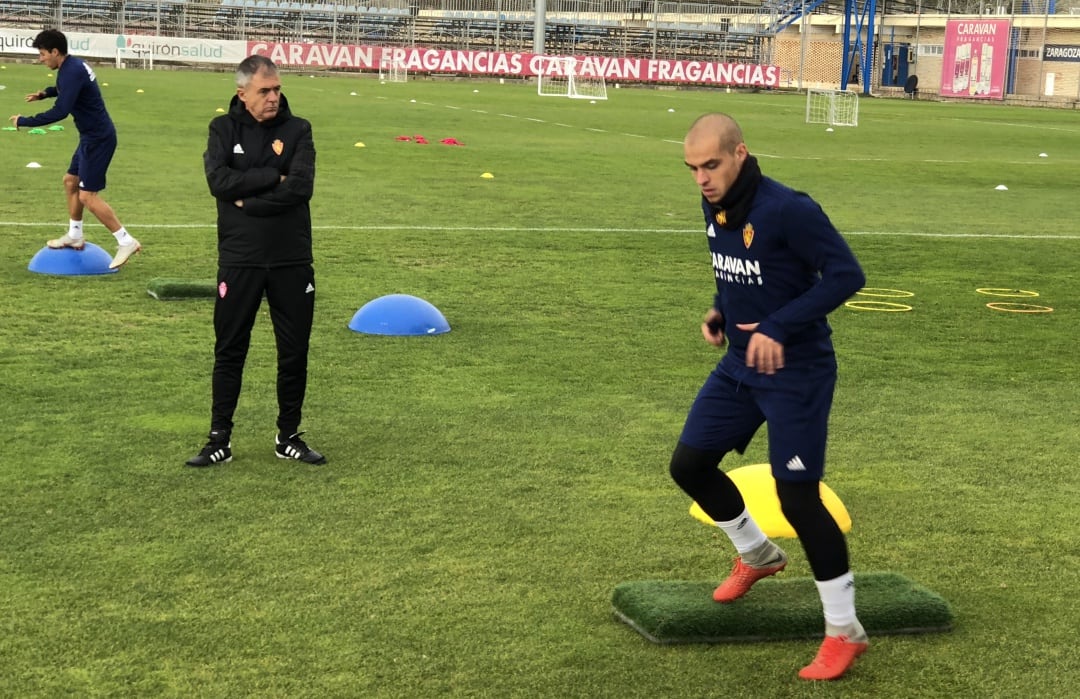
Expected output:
(712, 328)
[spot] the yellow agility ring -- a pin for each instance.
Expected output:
(884, 306)
(885, 293)
(1019, 307)
(1014, 293)
(758, 489)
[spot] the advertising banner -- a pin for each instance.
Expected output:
(490, 63)
(162, 48)
(976, 56)
(1061, 52)
(414, 60)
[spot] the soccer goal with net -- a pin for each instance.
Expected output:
(561, 76)
(135, 58)
(832, 107)
(393, 70)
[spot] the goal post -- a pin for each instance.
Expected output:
(562, 76)
(832, 107)
(138, 58)
(393, 70)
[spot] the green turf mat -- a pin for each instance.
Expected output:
(172, 289)
(776, 609)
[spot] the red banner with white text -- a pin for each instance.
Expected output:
(498, 64)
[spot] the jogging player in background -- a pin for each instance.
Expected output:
(77, 93)
(260, 165)
(780, 268)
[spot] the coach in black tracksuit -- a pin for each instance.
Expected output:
(260, 165)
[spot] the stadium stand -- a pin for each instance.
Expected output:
(706, 30)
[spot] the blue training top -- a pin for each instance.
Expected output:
(787, 269)
(77, 93)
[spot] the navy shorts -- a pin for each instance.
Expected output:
(726, 414)
(91, 162)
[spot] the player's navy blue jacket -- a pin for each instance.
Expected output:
(244, 160)
(786, 268)
(77, 93)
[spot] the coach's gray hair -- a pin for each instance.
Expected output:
(251, 66)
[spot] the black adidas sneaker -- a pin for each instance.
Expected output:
(218, 450)
(294, 448)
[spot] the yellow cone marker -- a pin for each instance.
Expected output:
(139, 90)
(488, 176)
(759, 492)
(359, 144)
(219, 110)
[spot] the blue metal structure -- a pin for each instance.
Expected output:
(858, 17)
(788, 13)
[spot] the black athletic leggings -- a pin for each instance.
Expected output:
(697, 472)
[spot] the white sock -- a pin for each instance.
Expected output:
(744, 532)
(838, 600)
(122, 236)
(74, 229)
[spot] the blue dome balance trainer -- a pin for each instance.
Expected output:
(399, 314)
(92, 259)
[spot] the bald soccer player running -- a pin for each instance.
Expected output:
(780, 268)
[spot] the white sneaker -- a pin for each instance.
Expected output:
(66, 241)
(124, 253)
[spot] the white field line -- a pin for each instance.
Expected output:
(797, 157)
(542, 229)
(1042, 127)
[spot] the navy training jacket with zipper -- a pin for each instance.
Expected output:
(787, 269)
(77, 93)
(244, 160)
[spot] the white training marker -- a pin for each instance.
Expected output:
(1001, 188)
(828, 130)
(671, 111)
(1043, 155)
(33, 164)
(352, 94)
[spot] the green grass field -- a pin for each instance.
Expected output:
(488, 488)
